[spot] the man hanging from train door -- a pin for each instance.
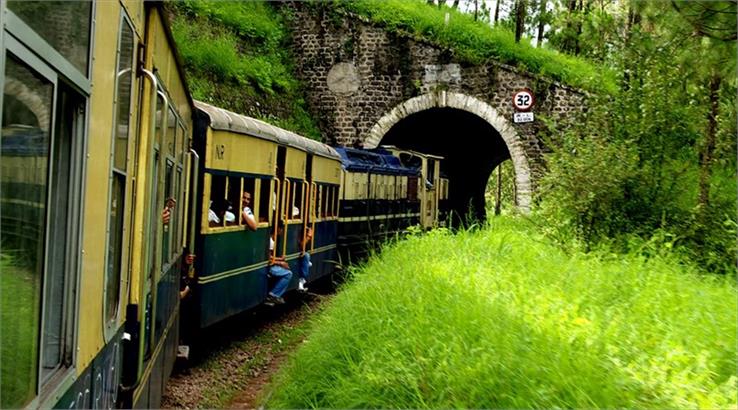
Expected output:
(279, 269)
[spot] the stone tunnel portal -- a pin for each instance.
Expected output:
(472, 149)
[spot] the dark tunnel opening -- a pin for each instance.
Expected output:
(472, 149)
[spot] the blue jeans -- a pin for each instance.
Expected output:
(303, 266)
(283, 279)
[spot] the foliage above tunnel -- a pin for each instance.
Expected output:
(477, 42)
(236, 55)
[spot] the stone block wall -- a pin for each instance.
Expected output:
(356, 73)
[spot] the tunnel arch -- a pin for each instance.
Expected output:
(470, 105)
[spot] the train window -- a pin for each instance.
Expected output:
(60, 282)
(166, 238)
(297, 203)
(412, 188)
(233, 198)
(249, 185)
(179, 183)
(170, 145)
(263, 200)
(65, 25)
(326, 201)
(218, 204)
(324, 195)
(335, 201)
(184, 143)
(25, 144)
(319, 202)
(39, 183)
(178, 211)
(124, 81)
(431, 172)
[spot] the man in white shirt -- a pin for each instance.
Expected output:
(247, 217)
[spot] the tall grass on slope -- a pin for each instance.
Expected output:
(502, 319)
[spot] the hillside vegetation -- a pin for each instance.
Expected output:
(501, 318)
(237, 56)
(478, 42)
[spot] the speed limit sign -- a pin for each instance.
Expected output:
(523, 100)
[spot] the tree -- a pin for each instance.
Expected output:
(520, 12)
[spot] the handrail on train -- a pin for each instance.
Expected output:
(194, 169)
(287, 210)
(277, 212)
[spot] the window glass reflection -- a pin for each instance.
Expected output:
(65, 25)
(24, 158)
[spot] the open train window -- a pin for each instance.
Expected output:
(119, 175)
(166, 239)
(248, 186)
(297, 203)
(335, 201)
(264, 199)
(217, 205)
(325, 203)
(412, 188)
(233, 199)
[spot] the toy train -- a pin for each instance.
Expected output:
(111, 175)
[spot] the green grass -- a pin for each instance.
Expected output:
(19, 302)
(477, 42)
(501, 318)
(236, 56)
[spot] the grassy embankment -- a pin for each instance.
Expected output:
(237, 56)
(501, 318)
(18, 333)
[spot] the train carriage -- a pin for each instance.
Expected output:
(110, 174)
(291, 179)
(379, 200)
(87, 161)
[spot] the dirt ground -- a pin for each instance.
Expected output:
(238, 358)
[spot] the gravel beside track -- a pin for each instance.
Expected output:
(238, 357)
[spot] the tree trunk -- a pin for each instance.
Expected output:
(431, 2)
(519, 19)
(706, 156)
(455, 5)
(497, 10)
(577, 43)
(541, 22)
(634, 20)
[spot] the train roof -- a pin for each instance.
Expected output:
(225, 120)
(408, 151)
(359, 160)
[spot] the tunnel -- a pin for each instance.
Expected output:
(472, 149)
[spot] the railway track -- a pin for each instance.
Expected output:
(238, 358)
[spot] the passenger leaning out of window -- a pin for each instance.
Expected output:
(247, 216)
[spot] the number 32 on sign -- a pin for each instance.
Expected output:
(523, 101)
